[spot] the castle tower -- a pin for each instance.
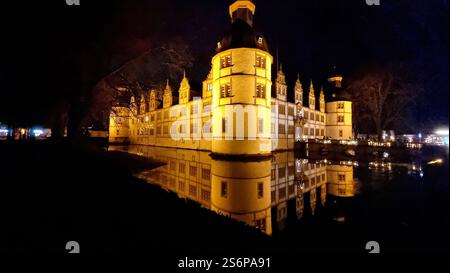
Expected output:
(167, 98)
(242, 191)
(280, 85)
(312, 97)
(119, 120)
(340, 181)
(241, 77)
(322, 100)
(339, 111)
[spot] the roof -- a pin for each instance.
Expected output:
(242, 35)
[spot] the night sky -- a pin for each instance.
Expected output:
(52, 51)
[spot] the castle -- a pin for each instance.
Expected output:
(236, 114)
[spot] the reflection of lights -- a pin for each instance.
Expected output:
(385, 154)
(434, 162)
(4, 131)
(421, 174)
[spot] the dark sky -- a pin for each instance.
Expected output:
(48, 46)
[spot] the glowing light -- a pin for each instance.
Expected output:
(38, 132)
(441, 132)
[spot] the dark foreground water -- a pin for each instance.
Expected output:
(315, 205)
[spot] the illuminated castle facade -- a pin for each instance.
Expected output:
(236, 113)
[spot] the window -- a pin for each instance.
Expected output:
(291, 111)
(322, 132)
(165, 130)
(281, 109)
(340, 106)
(192, 171)
(291, 170)
(272, 174)
(181, 186)
(311, 116)
(224, 125)
(291, 129)
(225, 90)
(317, 132)
(323, 177)
(152, 132)
(173, 166)
(225, 61)
(341, 133)
(158, 130)
(281, 173)
(341, 177)
(224, 189)
(261, 90)
(311, 132)
(282, 193)
(291, 189)
(192, 190)
(260, 190)
(166, 114)
(317, 117)
(182, 168)
(281, 129)
(261, 224)
(340, 118)
(322, 118)
(206, 174)
(210, 87)
(261, 126)
(206, 195)
(260, 61)
(152, 118)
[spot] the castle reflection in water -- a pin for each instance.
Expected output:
(258, 193)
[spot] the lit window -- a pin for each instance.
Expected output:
(225, 61)
(340, 118)
(260, 90)
(192, 171)
(260, 61)
(210, 87)
(206, 174)
(341, 177)
(225, 90)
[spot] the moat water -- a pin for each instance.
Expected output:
(398, 204)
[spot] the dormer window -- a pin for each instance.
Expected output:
(260, 40)
(219, 45)
(225, 61)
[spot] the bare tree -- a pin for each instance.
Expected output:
(381, 95)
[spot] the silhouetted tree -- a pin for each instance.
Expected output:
(381, 95)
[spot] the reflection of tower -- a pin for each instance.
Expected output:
(241, 190)
(119, 120)
(241, 80)
(340, 181)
